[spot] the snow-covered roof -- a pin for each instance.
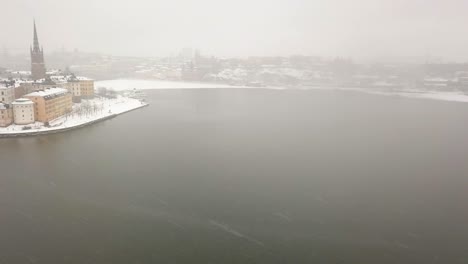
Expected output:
(81, 78)
(53, 71)
(7, 84)
(3, 87)
(59, 78)
(21, 72)
(22, 101)
(19, 82)
(48, 92)
(436, 79)
(39, 80)
(3, 106)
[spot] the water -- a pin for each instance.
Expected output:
(244, 176)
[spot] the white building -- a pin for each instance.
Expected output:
(7, 94)
(23, 111)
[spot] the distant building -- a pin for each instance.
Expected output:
(73, 86)
(23, 111)
(6, 115)
(86, 87)
(7, 94)
(462, 79)
(38, 69)
(50, 103)
(80, 87)
(19, 74)
(24, 87)
(438, 83)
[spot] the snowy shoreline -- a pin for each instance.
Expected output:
(108, 108)
(139, 84)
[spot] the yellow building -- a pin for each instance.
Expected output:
(86, 87)
(50, 103)
(73, 86)
(80, 87)
(6, 115)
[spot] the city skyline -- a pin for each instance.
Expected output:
(370, 29)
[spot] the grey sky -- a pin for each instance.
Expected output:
(354, 28)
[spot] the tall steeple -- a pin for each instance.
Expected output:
(38, 70)
(36, 39)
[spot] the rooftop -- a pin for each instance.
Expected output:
(83, 78)
(49, 92)
(2, 86)
(22, 101)
(59, 78)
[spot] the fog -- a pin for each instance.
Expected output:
(211, 131)
(357, 29)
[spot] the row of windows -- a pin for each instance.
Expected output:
(23, 106)
(30, 116)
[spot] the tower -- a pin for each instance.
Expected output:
(38, 70)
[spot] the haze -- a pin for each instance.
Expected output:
(365, 28)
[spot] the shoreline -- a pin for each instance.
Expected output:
(68, 128)
(414, 93)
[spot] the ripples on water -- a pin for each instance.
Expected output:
(243, 176)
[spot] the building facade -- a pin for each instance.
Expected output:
(80, 88)
(73, 87)
(38, 69)
(24, 87)
(6, 115)
(86, 87)
(23, 111)
(7, 94)
(50, 103)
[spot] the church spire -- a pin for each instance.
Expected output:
(36, 40)
(38, 70)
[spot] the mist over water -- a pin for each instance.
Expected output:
(277, 131)
(243, 176)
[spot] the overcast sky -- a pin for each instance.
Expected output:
(352, 28)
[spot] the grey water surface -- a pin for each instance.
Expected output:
(244, 176)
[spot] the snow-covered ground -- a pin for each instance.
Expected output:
(451, 96)
(126, 84)
(85, 112)
(445, 96)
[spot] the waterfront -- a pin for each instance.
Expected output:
(244, 176)
(82, 114)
